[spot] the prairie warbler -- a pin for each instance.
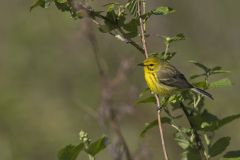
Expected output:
(162, 78)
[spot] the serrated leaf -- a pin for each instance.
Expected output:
(70, 152)
(232, 155)
(220, 83)
(219, 146)
(97, 146)
(163, 10)
(203, 67)
(152, 124)
(150, 99)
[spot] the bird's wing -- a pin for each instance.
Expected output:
(170, 76)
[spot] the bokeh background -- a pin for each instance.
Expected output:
(49, 85)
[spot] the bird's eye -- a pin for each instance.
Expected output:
(150, 64)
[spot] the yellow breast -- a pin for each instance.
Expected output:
(155, 86)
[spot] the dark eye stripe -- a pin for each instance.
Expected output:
(149, 68)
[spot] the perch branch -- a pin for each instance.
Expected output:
(160, 128)
(199, 143)
(144, 44)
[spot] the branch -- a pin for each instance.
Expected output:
(144, 44)
(160, 127)
(142, 28)
(197, 136)
(107, 113)
(77, 6)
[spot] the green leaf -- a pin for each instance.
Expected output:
(205, 121)
(152, 124)
(132, 27)
(150, 99)
(41, 3)
(217, 70)
(178, 37)
(111, 20)
(203, 67)
(209, 122)
(191, 154)
(163, 10)
(111, 6)
(219, 146)
(220, 83)
(197, 75)
(228, 119)
(167, 56)
(201, 84)
(97, 146)
(181, 140)
(70, 152)
(132, 7)
(232, 155)
(65, 7)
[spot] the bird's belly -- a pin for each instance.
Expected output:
(162, 89)
(158, 88)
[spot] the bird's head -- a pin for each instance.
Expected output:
(151, 64)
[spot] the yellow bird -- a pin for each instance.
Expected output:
(162, 78)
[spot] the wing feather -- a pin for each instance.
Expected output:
(170, 76)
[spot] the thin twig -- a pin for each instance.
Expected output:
(142, 28)
(144, 44)
(160, 128)
(76, 7)
(197, 136)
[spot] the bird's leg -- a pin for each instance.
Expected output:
(158, 107)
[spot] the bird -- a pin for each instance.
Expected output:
(162, 78)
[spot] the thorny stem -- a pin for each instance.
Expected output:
(196, 134)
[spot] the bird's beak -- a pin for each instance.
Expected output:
(140, 64)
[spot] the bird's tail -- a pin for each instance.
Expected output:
(202, 92)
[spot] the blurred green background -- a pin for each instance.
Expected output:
(49, 85)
